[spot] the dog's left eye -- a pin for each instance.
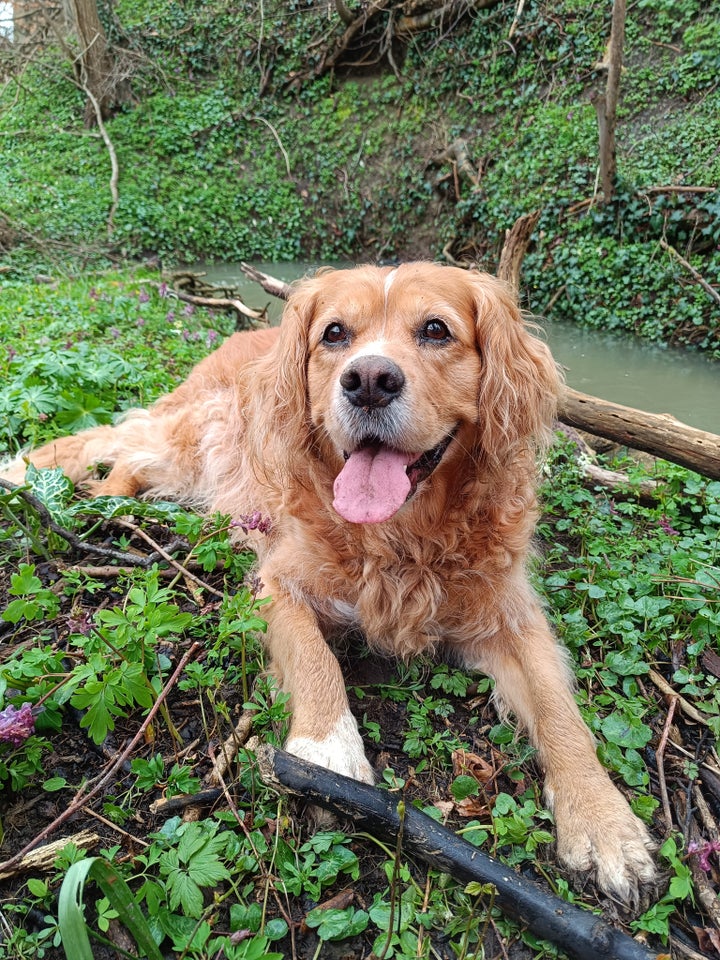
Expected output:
(335, 333)
(435, 331)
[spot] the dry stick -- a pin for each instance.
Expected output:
(271, 285)
(114, 168)
(705, 891)
(579, 933)
(44, 859)
(167, 805)
(687, 708)
(674, 188)
(422, 21)
(81, 798)
(691, 269)
(229, 748)
(219, 303)
(166, 556)
(70, 538)
(660, 759)
(107, 571)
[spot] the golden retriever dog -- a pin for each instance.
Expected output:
(389, 428)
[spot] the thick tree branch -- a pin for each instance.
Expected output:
(656, 433)
(580, 934)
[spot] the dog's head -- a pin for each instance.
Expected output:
(394, 373)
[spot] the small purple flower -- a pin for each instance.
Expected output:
(144, 296)
(703, 851)
(163, 289)
(188, 309)
(666, 527)
(253, 521)
(81, 624)
(140, 322)
(11, 353)
(114, 332)
(170, 316)
(16, 725)
(254, 584)
(212, 336)
(93, 294)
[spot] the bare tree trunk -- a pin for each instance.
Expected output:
(606, 104)
(95, 63)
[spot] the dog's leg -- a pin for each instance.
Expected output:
(145, 453)
(76, 455)
(596, 829)
(322, 728)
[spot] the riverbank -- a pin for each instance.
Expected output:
(247, 149)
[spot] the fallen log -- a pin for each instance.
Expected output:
(656, 433)
(579, 933)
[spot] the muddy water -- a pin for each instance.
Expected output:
(613, 366)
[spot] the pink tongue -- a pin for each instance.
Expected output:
(372, 485)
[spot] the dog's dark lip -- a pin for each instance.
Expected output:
(421, 468)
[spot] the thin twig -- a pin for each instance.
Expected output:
(82, 798)
(72, 539)
(229, 748)
(114, 168)
(116, 828)
(274, 132)
(710, 290)
(687, 708)
(244, 827)
(166, 556)
(660, 758)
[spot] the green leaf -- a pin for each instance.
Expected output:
(71, 922)
(38, 888)
(54, 784)
(52, 488)
(625, 731)
(463, 787)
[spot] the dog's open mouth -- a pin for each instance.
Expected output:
(377, 480)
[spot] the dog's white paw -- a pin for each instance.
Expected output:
(598, 832)
(341, 750)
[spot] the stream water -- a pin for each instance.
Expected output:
(613, 366)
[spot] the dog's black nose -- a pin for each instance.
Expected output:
(372, 381)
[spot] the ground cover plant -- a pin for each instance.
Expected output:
(131, 653)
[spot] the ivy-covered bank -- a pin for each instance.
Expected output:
(239, 143)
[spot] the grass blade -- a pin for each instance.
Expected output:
(73, 929)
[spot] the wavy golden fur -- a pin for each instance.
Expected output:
(390, 429)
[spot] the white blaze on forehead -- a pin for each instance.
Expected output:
(388, 283)
(386, 291)
(376, 348)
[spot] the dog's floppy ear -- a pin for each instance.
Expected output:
(291, 356)
(520, 381)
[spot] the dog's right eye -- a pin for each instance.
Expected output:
(335, 333)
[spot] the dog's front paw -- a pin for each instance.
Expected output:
(598, 832)
(341, 750)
